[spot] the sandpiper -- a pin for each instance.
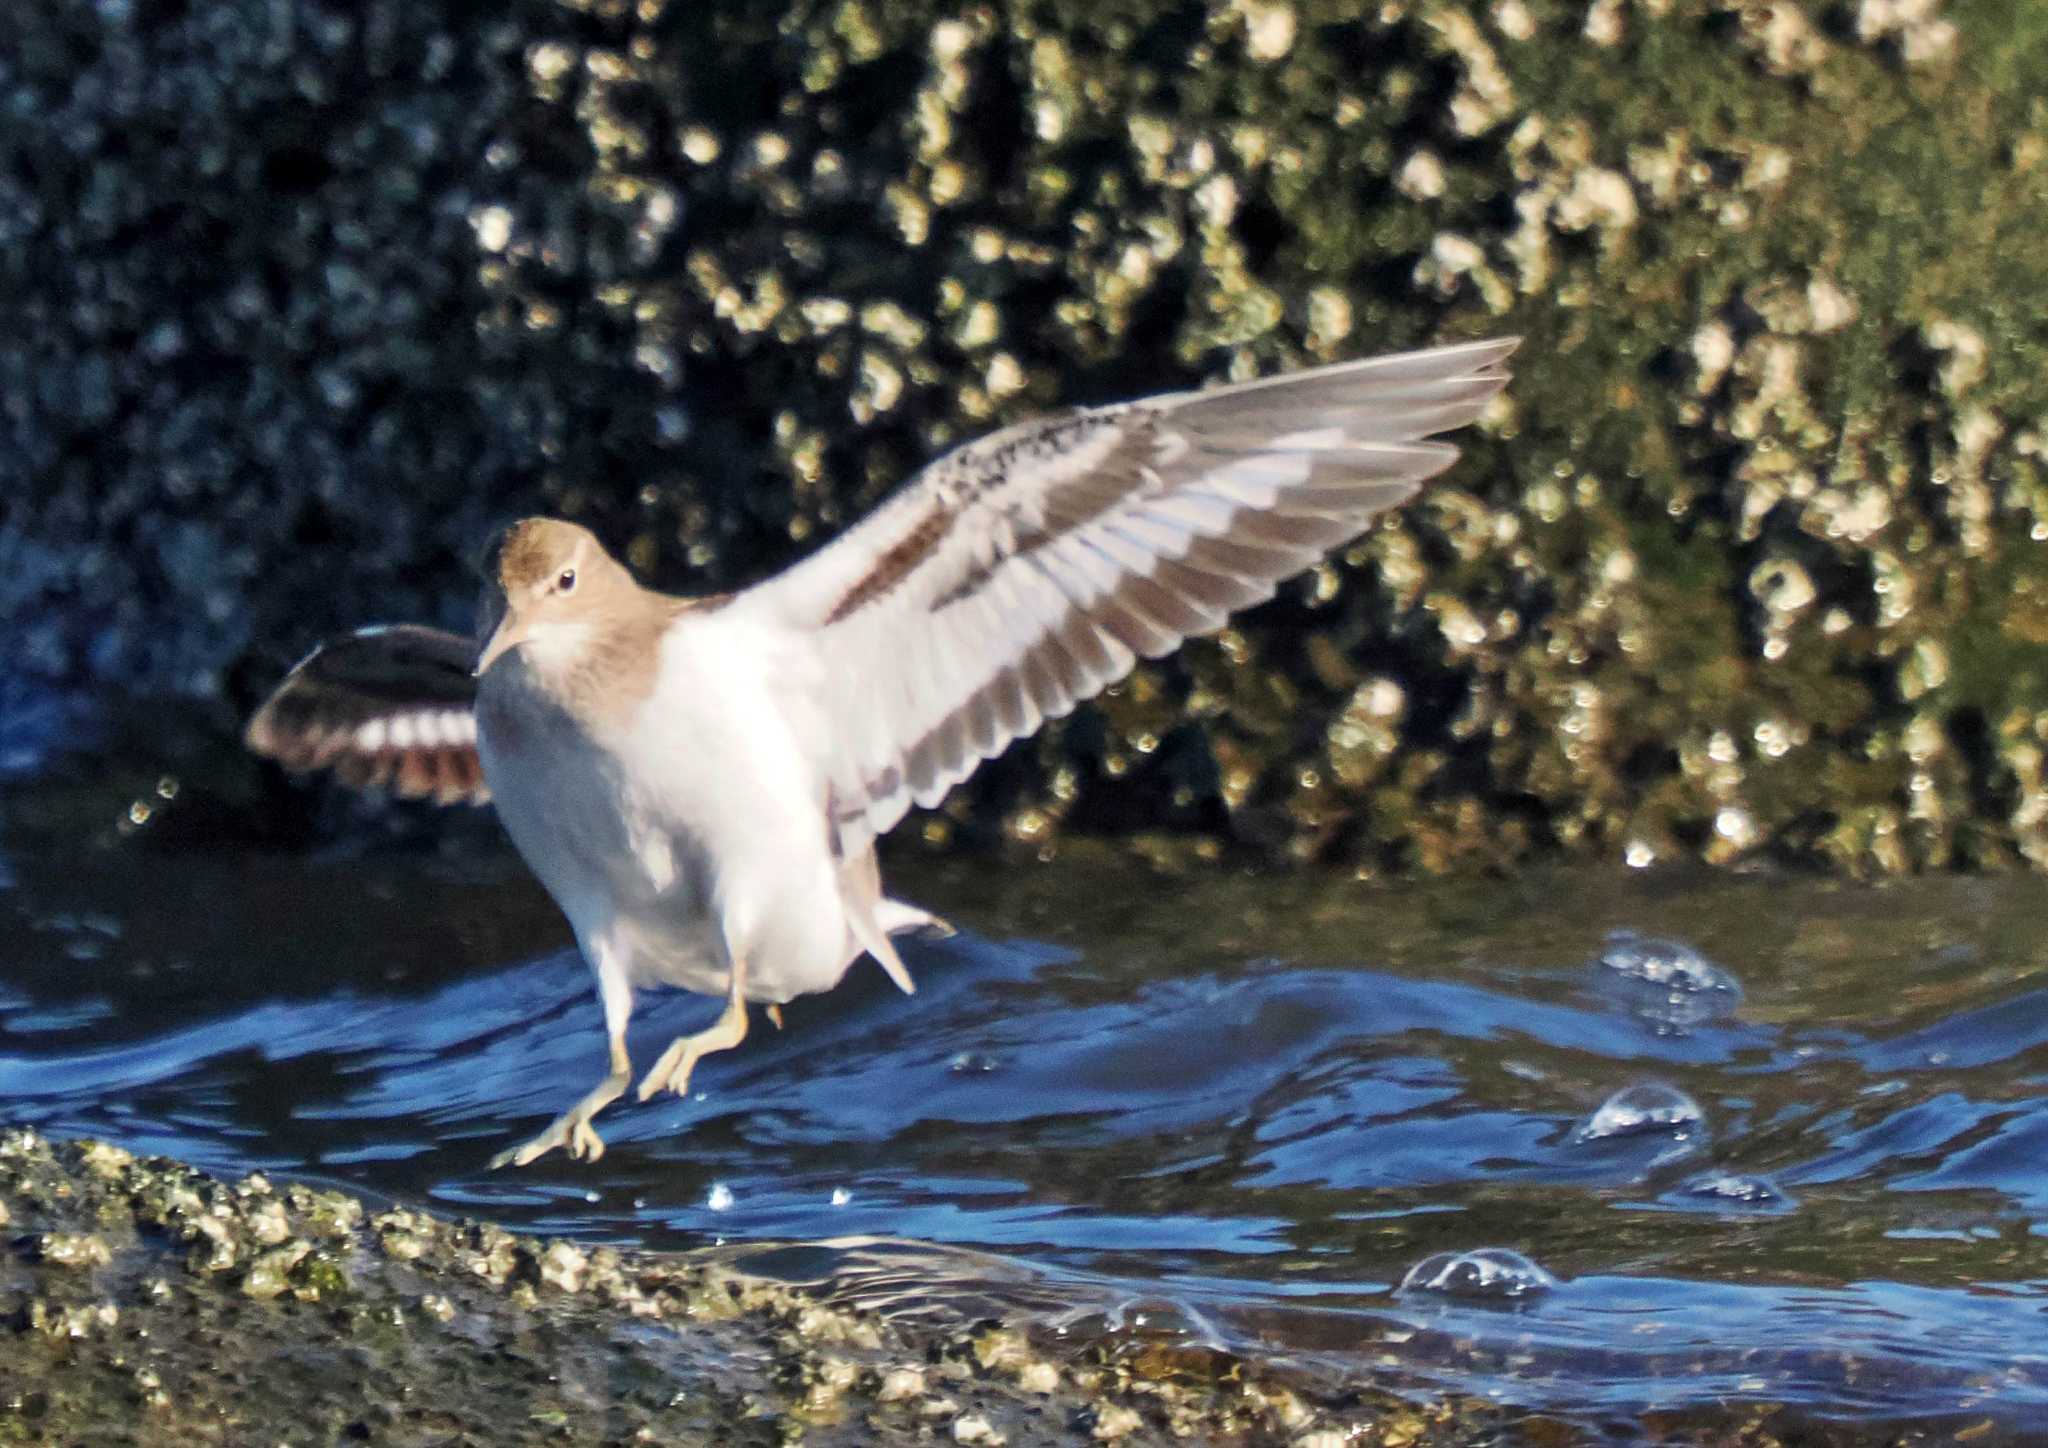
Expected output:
(700, 782)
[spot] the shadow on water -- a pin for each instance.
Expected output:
(1787, 1141)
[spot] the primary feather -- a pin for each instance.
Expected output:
(388, 707)
(1023, 573)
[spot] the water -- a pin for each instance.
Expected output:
(1809, 1165)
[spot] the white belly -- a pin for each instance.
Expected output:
(711, 845)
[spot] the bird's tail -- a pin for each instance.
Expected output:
(860, 896)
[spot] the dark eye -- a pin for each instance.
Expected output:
(567, 582)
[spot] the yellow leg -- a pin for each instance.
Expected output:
(672, 1071)
(775, 1015)
(572, 1128)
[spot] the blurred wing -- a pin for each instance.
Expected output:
(387, 708)
(1029, 570)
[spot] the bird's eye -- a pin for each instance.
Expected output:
(567, 582)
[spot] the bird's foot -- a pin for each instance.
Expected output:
(672, 1071)
(571, 1131)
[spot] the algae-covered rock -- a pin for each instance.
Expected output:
(1747, 565)
(387, 1331)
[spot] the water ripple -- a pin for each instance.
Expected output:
(1235, 1110)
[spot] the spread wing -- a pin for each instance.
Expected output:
(1030, 570)
(390, 707)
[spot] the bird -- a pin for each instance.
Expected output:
(700, 782)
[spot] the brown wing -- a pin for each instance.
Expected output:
(386, 708)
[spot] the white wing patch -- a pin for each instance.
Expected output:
(387, 708)
(1030, 570)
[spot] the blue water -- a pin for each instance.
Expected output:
(1226, 1109)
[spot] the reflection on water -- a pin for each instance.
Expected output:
(1782, 1139)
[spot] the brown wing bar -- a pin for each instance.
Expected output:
(386, 708)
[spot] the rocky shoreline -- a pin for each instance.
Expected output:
(151, 1303)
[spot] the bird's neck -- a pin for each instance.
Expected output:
(600, 670)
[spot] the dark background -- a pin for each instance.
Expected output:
(297, 301)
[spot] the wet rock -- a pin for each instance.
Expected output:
(105, 1161)
(1114, 1422)
(58, 1322)
(972, 1428)
(900, 1384)
(270, 1274)
(268, 1223)
(562, 1267)
(303, 304)
(457, 1341)
(71, 1249)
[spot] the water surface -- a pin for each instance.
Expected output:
(1226, 1108)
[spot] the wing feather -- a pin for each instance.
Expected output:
(1030, 570)
(388, 708)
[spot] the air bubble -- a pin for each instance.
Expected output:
(1485, 1274)
(1666, 981)
(1670, 963)
(1730, 1190)
(1649, 1108)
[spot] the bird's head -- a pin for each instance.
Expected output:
(547, 586)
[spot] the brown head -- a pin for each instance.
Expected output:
(548, 586)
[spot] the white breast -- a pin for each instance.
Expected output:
(693, 824)
(726, 777)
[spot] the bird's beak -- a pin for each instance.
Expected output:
(509, 634)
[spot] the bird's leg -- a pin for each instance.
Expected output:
(775, 1015)
(572, 1128)
(672, 1071)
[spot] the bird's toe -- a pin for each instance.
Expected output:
(529, 1152)
(513, 1156)
(662, 1074)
